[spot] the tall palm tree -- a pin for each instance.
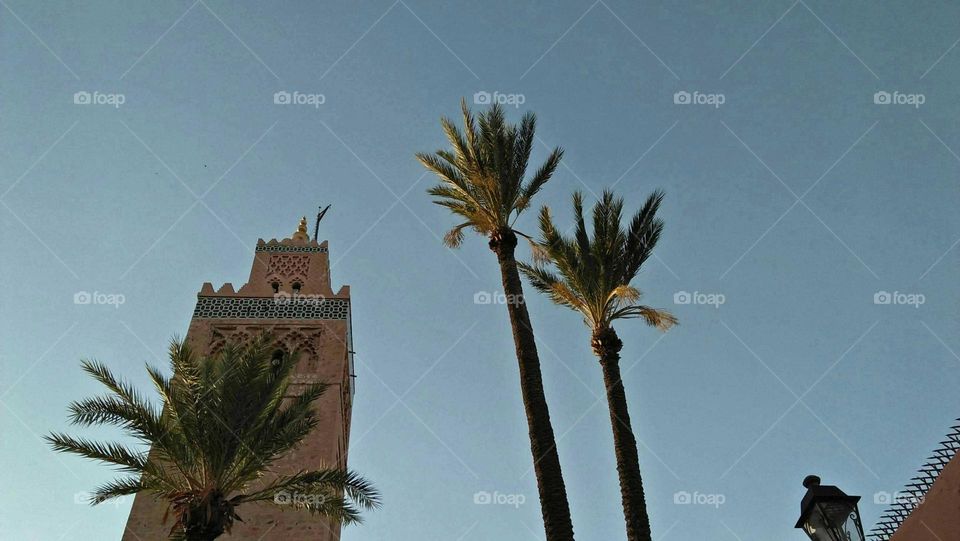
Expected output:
(223, 421)
(594, 279)
(482, 181)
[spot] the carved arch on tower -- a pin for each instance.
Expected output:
(305, 342)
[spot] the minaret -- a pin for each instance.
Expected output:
(289, 294)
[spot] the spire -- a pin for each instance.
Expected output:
(301, 233)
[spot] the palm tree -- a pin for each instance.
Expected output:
(224, 420)
(482, 182)
(594, 279)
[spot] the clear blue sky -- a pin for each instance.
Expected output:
(797, 199)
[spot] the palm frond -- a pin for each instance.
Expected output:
(626, 293)
(117, 489)
(110, 453)
(454, 237)
(539, 253)
(643, 233)
(660, 319)
(539, 178)
(322, 482)
(551, 285)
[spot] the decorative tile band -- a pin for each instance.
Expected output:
(288, 248)
(270, 308)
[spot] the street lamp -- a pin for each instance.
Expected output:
(827, 514)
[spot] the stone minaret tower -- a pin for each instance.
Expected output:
(289, 294)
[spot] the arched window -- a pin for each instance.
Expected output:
(275, 286)
(296, 287)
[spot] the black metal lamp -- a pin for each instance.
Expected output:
(828, 514)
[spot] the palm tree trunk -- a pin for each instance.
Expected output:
(546, 460)
(607, 346)
(205, 520)
(199, 535)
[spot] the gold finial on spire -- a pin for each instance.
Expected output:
(301, 233)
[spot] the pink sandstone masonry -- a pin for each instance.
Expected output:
(289, 294)
(937, 518)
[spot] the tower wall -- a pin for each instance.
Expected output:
(288, 294)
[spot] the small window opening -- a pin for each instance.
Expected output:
(296, 287)
(277, 360)
(276, 287)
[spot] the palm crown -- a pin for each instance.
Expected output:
(595, 273)
(482, 178)
(224, 420)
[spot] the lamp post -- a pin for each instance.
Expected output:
(828, 514)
